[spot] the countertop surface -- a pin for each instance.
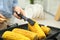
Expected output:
(49, 21)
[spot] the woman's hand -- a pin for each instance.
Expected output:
(2, 19)
(18, 10)
(1, 16)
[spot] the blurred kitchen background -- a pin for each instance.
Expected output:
(50, 11)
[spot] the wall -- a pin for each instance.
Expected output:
(42, 2)
(52, 6)
(49, 5)
(23, 3)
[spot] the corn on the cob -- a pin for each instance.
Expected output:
(6, 39)
(37, 29)
(13, 36)
(45, 29)
(29, 34)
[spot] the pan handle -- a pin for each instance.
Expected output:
(53, 36)
(13, 25)
(1, 38)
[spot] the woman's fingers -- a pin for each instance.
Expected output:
(16, 16)
(2, 20)
(1, 16)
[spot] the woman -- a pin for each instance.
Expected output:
(6, 11)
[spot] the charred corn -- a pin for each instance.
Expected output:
(29, 34)
(45, 29)
(13, 36)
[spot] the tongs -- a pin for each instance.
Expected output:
(25, 18)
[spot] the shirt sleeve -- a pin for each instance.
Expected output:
(15, 3)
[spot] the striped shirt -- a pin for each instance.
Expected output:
(6, 7)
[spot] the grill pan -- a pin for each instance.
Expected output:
(54, 33)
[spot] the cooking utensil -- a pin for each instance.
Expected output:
(25, 18)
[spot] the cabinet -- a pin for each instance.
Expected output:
(57, 16)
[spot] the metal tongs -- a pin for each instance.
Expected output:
(25, 18)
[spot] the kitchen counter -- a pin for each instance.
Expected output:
(46, 22)
(49, 23)
(49, 20)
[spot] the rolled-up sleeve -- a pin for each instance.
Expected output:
(15, 3)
